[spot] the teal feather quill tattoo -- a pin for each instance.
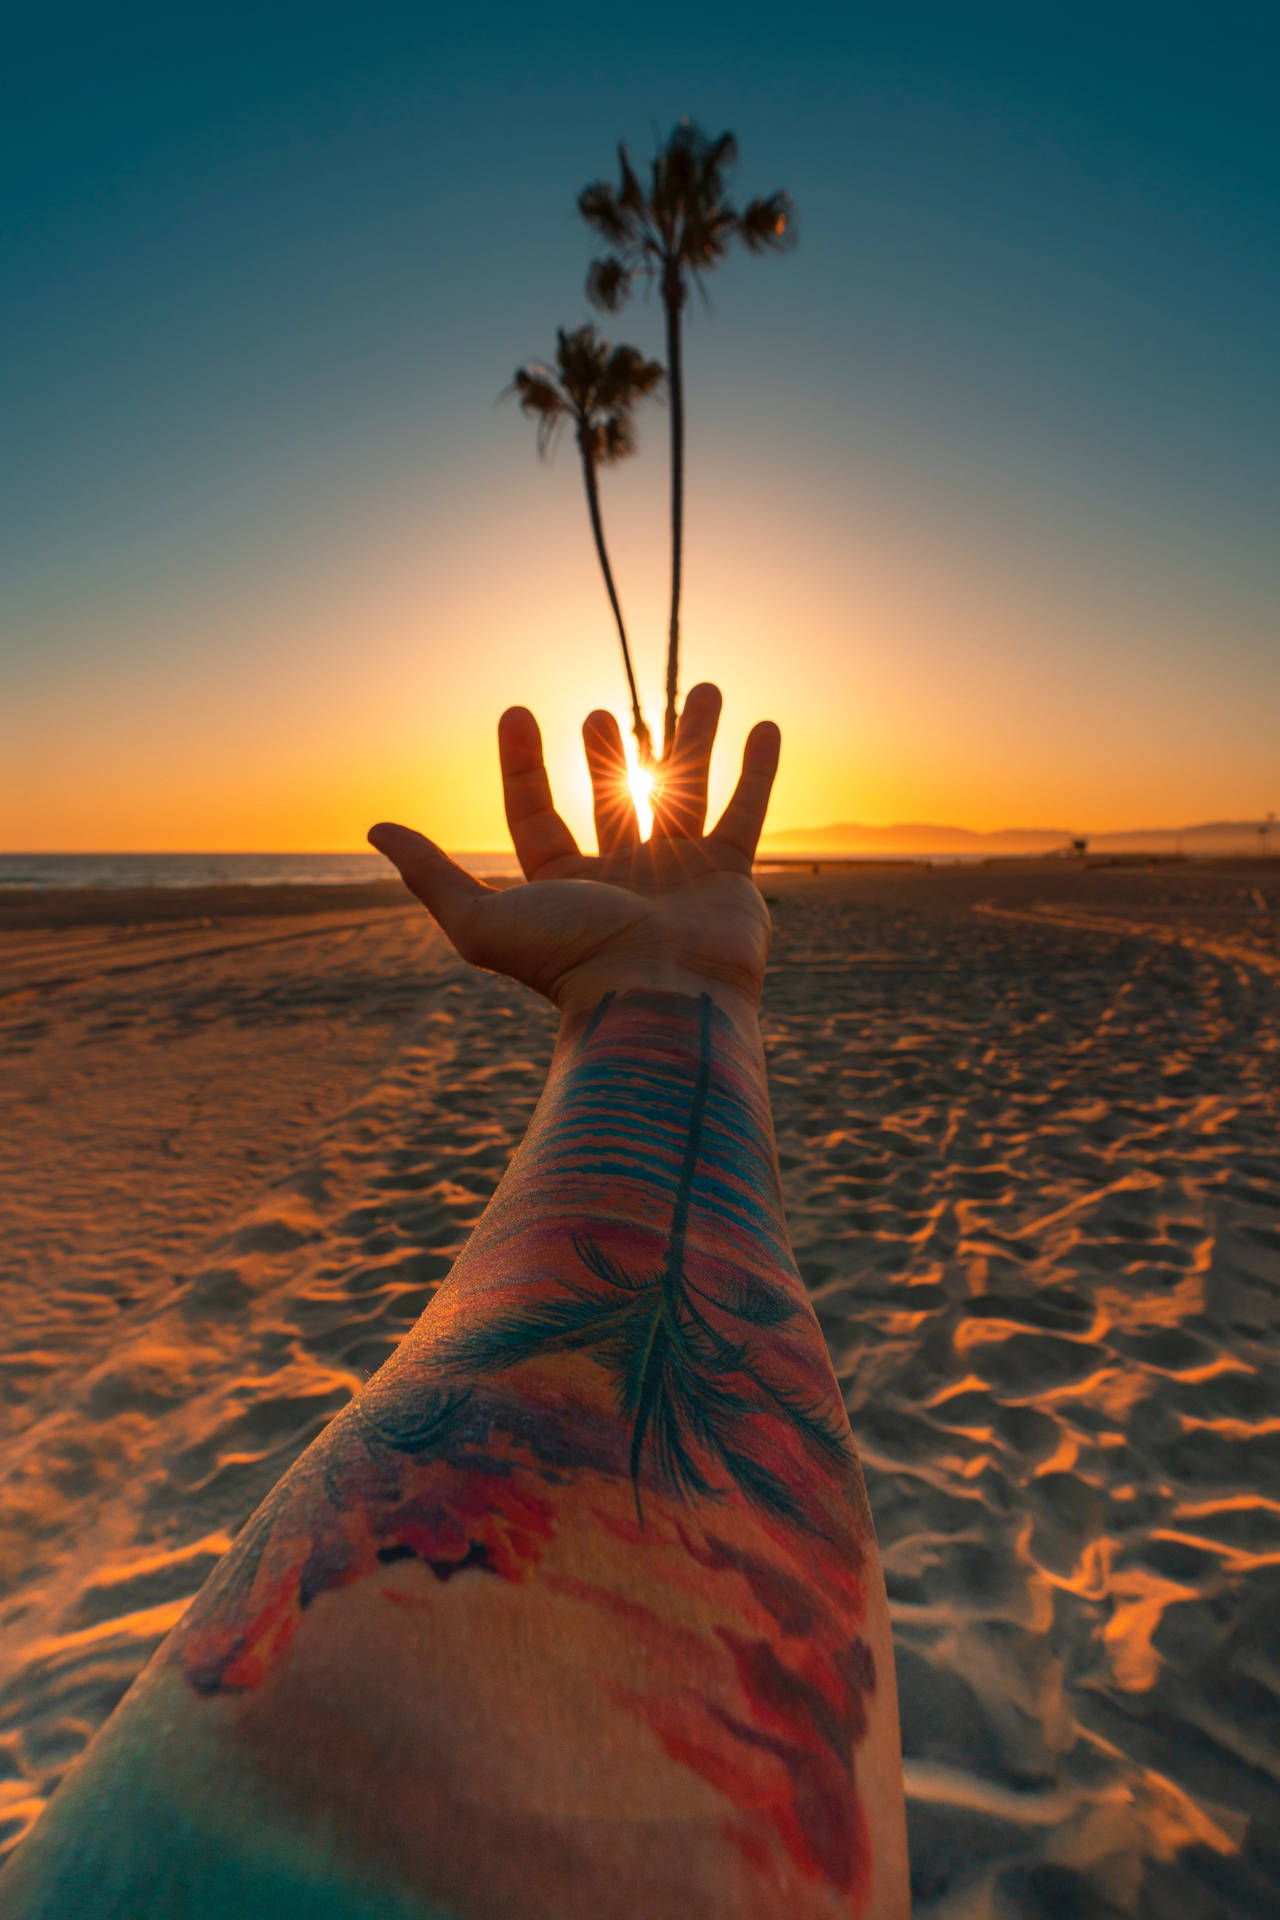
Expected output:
(690, 1391)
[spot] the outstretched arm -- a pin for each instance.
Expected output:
(576, 1609)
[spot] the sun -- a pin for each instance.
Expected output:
(642, 783)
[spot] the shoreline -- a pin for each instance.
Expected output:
(48, 909)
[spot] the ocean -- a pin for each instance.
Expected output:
(115, 870)
(118, 870)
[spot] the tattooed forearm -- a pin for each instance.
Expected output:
(681, 1286)
(621, 1403)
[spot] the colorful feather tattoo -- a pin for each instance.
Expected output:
(621, 1394)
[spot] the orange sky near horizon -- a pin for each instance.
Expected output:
(981, 486)
(360, 677)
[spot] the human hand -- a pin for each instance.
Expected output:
(679, 910)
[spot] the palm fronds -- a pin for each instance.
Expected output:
(543, 400)
(767, 225)
(593, 385)
(682, 224)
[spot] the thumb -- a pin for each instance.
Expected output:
(448, 892)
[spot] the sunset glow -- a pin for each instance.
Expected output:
(442, 443)
(642, 783)
(983, 556)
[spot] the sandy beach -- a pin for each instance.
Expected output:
(1027, 1122)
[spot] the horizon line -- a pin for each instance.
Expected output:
(849, 826)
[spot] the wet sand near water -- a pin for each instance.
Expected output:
(1027, 1121)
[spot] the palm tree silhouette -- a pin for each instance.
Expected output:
(677, 230)
(597, 387)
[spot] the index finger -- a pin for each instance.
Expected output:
(538, 833)
(740, 825)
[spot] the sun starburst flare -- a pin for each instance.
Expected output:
(642, 783)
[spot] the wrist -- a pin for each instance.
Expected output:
(582, 997)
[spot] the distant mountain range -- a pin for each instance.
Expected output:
(916, 837)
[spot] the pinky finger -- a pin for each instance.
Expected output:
(742, 821)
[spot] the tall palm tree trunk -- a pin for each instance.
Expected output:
(644, 745)
(673, 300)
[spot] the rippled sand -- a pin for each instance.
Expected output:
(1027, 1119)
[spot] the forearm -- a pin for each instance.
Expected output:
(576, 1608)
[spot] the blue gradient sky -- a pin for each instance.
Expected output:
(983, 477)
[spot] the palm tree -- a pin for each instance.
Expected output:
(595, 386)
(677, 230)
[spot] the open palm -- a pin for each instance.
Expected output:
(679, 909)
